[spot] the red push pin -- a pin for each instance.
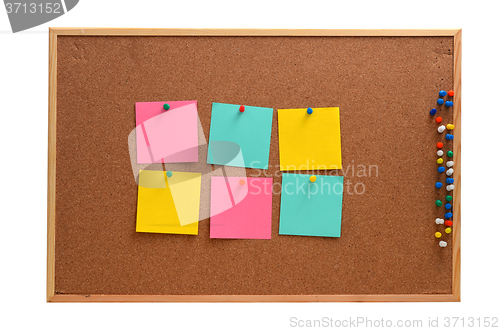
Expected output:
(242, 108)
(451, 93)
(242, 182)
(448, 223)
(439, 145)
(439, 119)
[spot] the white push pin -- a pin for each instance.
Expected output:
(450, 187)
(443, 243)
(441, 129)
(439, 221)
(440, 153)
(449, 172)
(449, 164)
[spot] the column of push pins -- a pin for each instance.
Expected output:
(449, 164)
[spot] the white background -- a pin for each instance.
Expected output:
(24, 99)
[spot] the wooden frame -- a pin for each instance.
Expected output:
(51, 185)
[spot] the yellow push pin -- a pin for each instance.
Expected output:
(450, 126)
(447, 230)
(440, 160)
(438, 234)
(312, 179)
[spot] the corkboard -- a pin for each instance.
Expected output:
(384, 86)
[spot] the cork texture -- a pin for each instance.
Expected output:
(384, 86)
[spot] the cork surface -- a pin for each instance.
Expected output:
(384, 86)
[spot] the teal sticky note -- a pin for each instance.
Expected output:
(240, 139)
(311, 209)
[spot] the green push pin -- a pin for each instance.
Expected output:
(449, 198)
(166, 106)
(450, 153)
(169, 173)
(439, 203)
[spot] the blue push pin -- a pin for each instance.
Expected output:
(449, 137)
(441, 169)
(447, 206)
(442, 93)
(309, 110)
(440, 101)
(448, 215)
(169, 173)
(450, 180)
(433, 111)
(448, 103)
(439, 184)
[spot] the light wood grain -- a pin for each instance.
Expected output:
(457, 154)
(252, 32)
(51, 176)
(257, 298)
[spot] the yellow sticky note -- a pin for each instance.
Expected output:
(309, 141)
(156, 210)
(185, 188)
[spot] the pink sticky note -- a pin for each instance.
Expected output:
(247, 213)
(167, 136)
